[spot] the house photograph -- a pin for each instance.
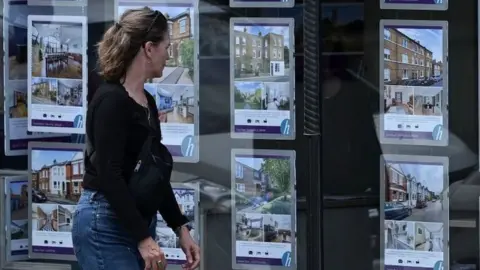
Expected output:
(175, 102)
(57, 50)
(18, 200)
(18, 100)
(261, 52)
(17, 51)
(266, 183)
(398, 99)
(276, 96)
(399, 235)
(277, 228)
(166, 238)
(409, 54)
(19, 229)
(65, 217)
(181, 27)
(70, 93)
(44, 91)
(45, 217)
(429, 236)
(428, 101)
(249, 227)
(413, 192)
(249, 95)
(60, 175)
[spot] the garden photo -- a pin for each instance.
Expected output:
(266, 183)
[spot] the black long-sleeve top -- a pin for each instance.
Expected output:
(114, 130)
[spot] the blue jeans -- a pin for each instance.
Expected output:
(99, 240)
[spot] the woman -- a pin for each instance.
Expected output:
(109, 231)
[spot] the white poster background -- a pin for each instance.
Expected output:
(50, 244)
(180, 138)
(69, 115)
(262, 123)
(262, 254)
(413, 125)
(17, 249)
(416, 258)
(16, 130)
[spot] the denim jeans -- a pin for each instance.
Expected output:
(99, 240)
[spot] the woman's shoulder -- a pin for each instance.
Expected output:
(109, 93)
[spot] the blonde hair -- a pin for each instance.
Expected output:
(122, 41)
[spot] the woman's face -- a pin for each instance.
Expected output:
(158, 56)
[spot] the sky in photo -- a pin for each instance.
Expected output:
(432, 39)
(249, 87)
(16, 187)
(46, 157)
(171, 10)
(255, 163)
(428, 175)
(280, 30)
(284, 221)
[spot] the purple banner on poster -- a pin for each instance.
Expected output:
(176, 262)
(424, 2)
(259, 261)
(53, 250)
(414, 27)
(261, 156)
(257, 129)
(22, 144)
(49, 123)
(408, 135)
(398, 267)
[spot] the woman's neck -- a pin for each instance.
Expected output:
(134, 81)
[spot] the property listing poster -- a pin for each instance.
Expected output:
(415, 211)
(415, 83)
(264, 209)
(414, 4)
(262, 3)
(57, 73)
(56, 183)
(17, 245)
(166, 238)
(176, 91)
(17, 135)
(262, 78)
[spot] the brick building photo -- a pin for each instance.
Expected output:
(409, 56)
(59, 176)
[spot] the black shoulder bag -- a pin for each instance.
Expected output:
(153, 169)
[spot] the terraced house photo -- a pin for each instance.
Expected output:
(414, 192)
(261, 52)
(58, 175)
(409, 55)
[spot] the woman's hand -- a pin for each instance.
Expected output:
(152, 254)
(190, 248)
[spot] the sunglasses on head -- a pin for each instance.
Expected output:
(157, 13)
